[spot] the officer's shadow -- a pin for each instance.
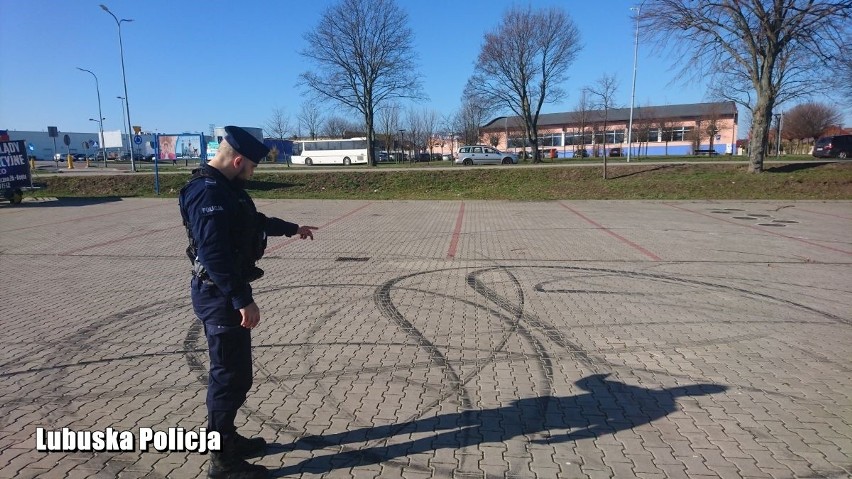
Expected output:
(608, 407)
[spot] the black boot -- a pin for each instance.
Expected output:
(225, 464)
(249, 447)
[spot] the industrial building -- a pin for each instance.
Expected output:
(697, 128)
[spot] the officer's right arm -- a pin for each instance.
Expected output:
(211, 215)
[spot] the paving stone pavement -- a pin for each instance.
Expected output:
(475, 339)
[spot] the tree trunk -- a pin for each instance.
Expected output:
(371, 138)
(759, 141)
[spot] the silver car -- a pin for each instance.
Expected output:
(484, 155)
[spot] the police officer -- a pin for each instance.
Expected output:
(227, 236)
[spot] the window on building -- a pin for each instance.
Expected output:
(651, 135)
(681, 133)
(612, 136)
(578, 139)
(550, 139)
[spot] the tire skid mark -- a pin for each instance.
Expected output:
(549, 331)
(543, 359)
(383, 301)
(514, 324)
(79, 340)
(196, 364)
(83, 336)
(518, 321)
(674, 280)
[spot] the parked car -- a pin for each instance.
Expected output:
(484, 155)
(837, 146)
(423, 157)
(447, 157)
(581, 153)
(615, 152)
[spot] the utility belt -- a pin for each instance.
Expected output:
(198, 271)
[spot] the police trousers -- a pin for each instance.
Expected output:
(229, 345)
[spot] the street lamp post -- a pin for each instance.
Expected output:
(778, 118)
(101, 139)
(123, 76)
(633, 94)
(100, 114)
(126, 131)
(402, 145)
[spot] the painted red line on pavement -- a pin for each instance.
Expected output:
(827, 214)
(761, 230)
(451, 253)
(78, 219)
(295, 238)
(118, 240)
(613, 234)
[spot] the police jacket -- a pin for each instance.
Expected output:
(227, 234)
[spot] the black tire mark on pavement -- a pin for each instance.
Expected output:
(549, 331)
(383, 301)
(665, 278)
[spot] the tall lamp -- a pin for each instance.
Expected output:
(123, 76)
(633, 94)
(126, 131)
(100, 114)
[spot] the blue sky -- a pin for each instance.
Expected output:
(191, 64)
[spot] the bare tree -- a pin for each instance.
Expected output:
(843, 78)
(758, 53)
(387, 119)
(310, 118)
(364, 57)
(468, 119)
(523, 63)
(447, 133)
(414, 131)
(665, 126)
(643, 123)
(712, 120)
(580, 116)
(431, 120)
(603, 94)
(696, 135)
(278, 125)
(810, 120)
(337, 127)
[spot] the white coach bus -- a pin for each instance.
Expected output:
(330, 152)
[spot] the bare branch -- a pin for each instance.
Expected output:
(362, 50)
(523, 63)
(278, 125)
(758, 53)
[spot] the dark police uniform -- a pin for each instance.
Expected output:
(227, 236)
